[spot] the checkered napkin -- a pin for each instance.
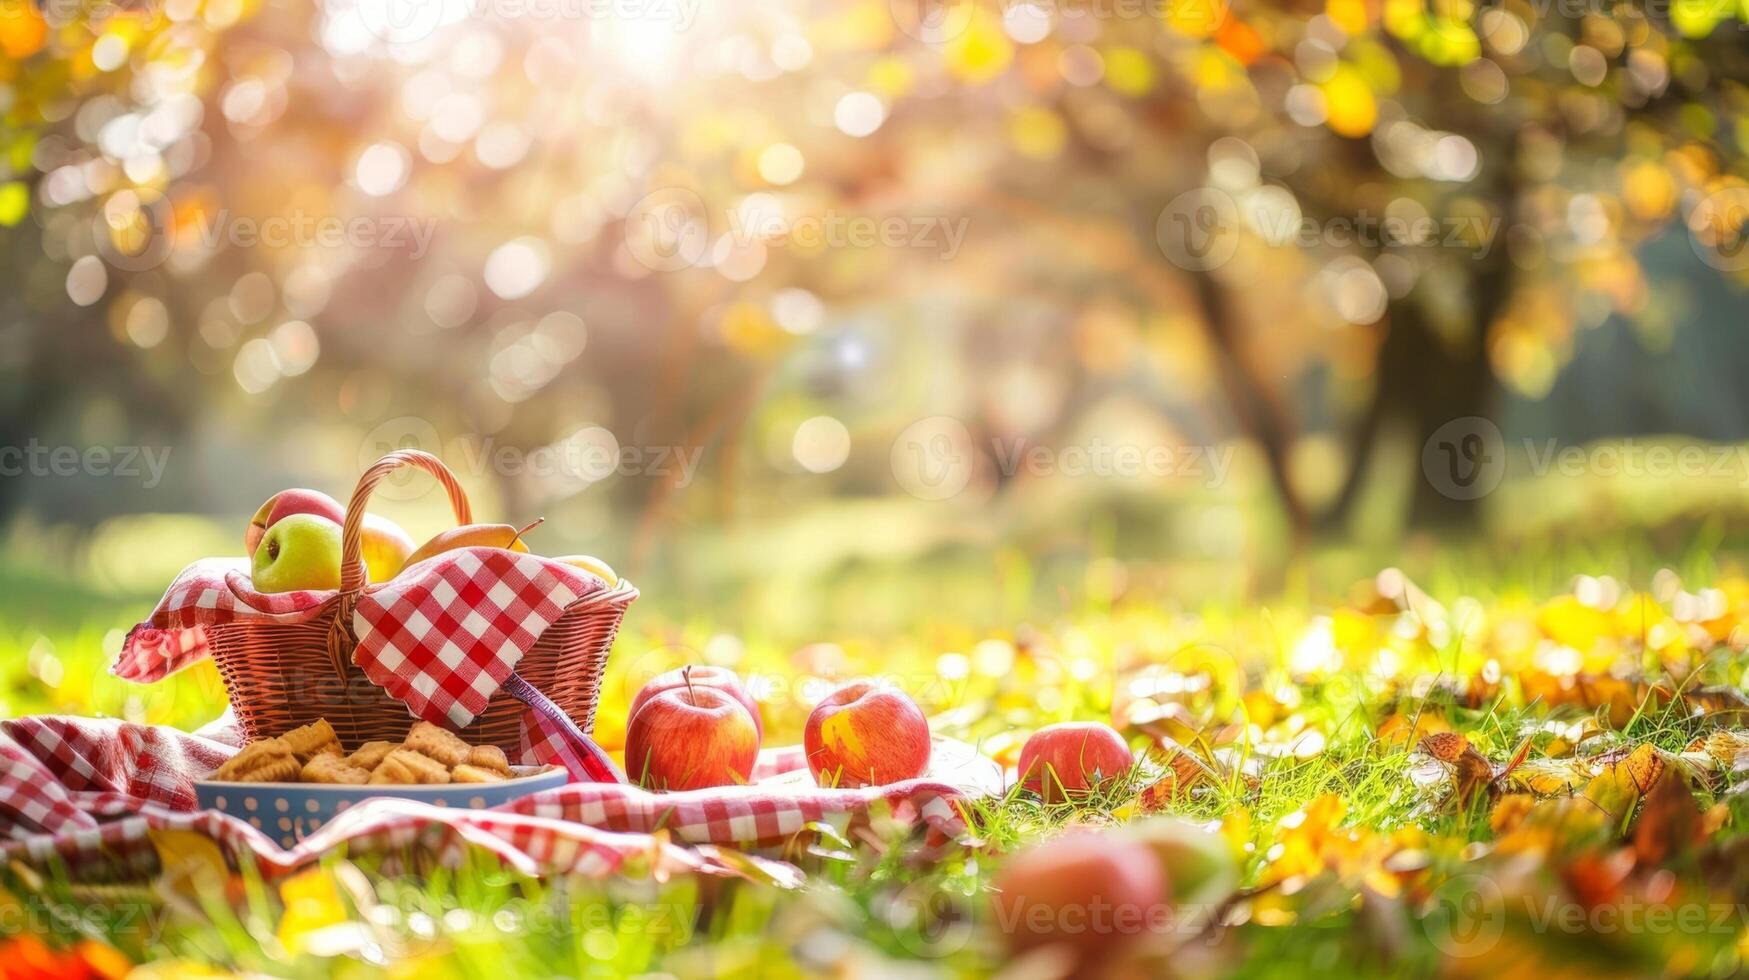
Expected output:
(443, 639)
(467, 597)
(89, 793)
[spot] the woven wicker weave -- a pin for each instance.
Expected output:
(283, 676)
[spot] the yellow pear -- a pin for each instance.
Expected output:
(593, 566)
(473, 536)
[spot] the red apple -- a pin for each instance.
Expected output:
(284, 504)
(1067, 760)
(701, 675)
(1091, 893)
(863, 735)
(691, 738)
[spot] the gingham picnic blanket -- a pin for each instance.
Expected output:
(91, 793)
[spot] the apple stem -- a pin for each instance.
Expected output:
(531, 525)
(686, 675)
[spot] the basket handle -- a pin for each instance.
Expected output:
(352, 576)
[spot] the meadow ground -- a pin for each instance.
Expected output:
(1528, 766)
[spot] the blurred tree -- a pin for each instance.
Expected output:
(1293, 222)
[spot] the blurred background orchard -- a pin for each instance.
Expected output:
(819, 319)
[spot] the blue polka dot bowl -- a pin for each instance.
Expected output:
(288, 812)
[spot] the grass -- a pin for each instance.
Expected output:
(1287, 707)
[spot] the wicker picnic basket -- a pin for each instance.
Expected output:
(280, 676)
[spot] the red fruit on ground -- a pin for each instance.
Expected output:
(1066, 761)
(1090, 892)
(863, 735)
(700, 675)
(691, 738)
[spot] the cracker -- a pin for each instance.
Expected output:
(370, 754)
(281, 770)
(489, 757)
(330, 768)
(392, 771)
(466, 773)
(436, 743)
(312, 739)
(253, 756)
(424, 768)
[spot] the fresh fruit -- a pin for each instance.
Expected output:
(863, 735)
(384, 547)
(1089, 892)
(1200, 863)
(298, 552)
(472, 536)
(691, 737)
(593, 566)
(1068, 760)
(286, 503)
(702, 675)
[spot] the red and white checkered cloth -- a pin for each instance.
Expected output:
(88, 792)
(454, 606)
(443, 639)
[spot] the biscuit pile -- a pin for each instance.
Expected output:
(312, 754)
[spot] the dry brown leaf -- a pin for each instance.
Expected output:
(1670, 821)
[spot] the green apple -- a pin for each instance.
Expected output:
(300, 551)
